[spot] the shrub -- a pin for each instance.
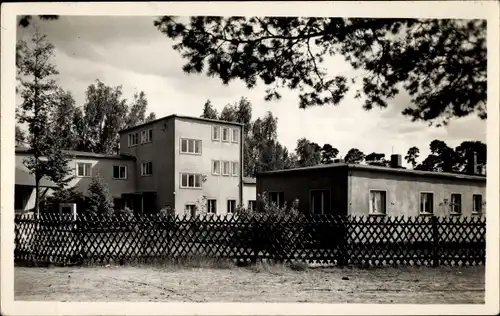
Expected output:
(299, 266)
(166, 219)
(263, 231)
(167, 212)
(125, 214)
(99, 200)
(51, 204)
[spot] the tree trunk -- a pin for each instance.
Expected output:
(37, 194)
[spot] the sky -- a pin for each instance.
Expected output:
(131, 52)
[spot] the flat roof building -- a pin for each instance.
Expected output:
(355, 189)
(189, 163)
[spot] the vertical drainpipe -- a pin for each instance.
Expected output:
(142, 203)
(242, 162)
(349, 191)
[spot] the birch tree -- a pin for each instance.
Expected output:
(38, 92)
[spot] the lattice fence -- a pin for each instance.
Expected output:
(337, 240)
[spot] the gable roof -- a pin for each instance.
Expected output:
(83, 154)
(174, 116)
(27, 179)
(388, 170)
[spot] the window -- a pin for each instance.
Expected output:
(426, 203)
(191, 209)
(216, 133)
(146, 168)
(231, 206)
(252, 205)
(377, 202)
(456, 204)
(147, 136)
(225, 134)
(119, 172)
(234, 168)
(65, 209)
(277, 197)
(212, 206)
(190, 180)
(477, 200)
(83, 169)
(216, 167)
(235, 135)
(320, 202)
(20, 195)
(190, 146)
(132, 139)
(225, 168)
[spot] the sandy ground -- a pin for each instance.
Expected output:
(256, 284)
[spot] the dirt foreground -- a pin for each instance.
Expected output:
(255, 284)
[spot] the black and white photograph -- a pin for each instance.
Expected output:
(250, 153)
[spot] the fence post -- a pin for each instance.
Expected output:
(80, 231)
(254, 240)
(342, 226)
(167, 225)
(435, 241)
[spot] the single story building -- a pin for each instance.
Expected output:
(249, 193)
(25, 193)
(355, 189)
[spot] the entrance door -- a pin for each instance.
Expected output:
(133, 202)
(149, 202)
(320, 202)
(328, 236)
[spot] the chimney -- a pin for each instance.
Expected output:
(472, 164)
(396, 161)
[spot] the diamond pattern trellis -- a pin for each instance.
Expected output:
(340, 240)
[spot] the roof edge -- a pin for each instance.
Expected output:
(174, 116)
(82, 154)
(312, 168)
(462, 176)
(448, 175)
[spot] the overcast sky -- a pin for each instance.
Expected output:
(131, 52)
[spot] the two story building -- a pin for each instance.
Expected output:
(118, 171)
(187, 163)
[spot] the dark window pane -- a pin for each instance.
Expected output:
(281, 199)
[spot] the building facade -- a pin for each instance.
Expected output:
(250, 193)
(368, 190)
(190, 164)
(184, 161)
(117, 171)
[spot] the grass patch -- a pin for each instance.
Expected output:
(277, 267)
(263, 267)
(194, 261)
(200, 262)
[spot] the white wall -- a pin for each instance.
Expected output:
(221, 188)
(249, 193)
